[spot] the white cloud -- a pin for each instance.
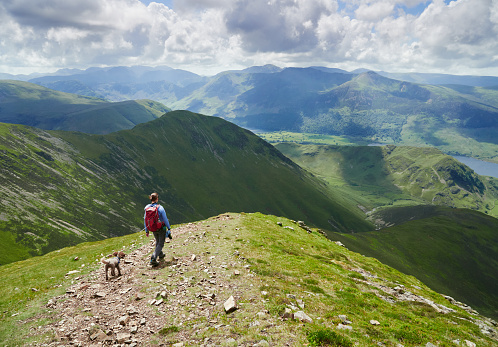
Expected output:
(207, 36)
(375, 11)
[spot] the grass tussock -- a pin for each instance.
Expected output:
(327, 337)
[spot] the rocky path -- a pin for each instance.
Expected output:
(179, 303)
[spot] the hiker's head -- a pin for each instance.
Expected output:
(153, 197)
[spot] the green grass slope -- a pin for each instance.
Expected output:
(454, 251)
(61, 188)
(279, 267)
(29, 104)
(375, 177)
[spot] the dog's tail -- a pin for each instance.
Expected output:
(104, 260)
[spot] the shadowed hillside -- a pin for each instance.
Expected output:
(456, 119)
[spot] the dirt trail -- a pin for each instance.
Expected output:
(179, 303)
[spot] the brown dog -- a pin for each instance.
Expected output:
(113, 264)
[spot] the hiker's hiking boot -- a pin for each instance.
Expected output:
(162, 255)
(153, 262)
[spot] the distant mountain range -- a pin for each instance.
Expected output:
(141, 74)
(457, 114)
(30, 104)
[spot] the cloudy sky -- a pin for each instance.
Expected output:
(209, 36)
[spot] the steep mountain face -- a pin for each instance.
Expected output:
(435, 177)
(29, 104)
(61, 188)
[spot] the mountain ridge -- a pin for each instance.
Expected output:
(458, 119)
(260, 261)
(85, 187)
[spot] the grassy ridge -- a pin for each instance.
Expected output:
(453, 251)
(279, 259)
(62, 188)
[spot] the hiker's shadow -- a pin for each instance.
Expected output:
(165, 263)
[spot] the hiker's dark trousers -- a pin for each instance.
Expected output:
(160, 237)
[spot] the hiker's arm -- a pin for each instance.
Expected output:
(145, 226)
(163, 217)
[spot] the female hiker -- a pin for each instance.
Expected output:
(155, 220)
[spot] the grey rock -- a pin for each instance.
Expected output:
(400, 289)
(123, 320)
(122, 337)
(230, 305)
(131, 310)
(261, 314)
(303, 317)
(231, 341)
(344, 327)
(98, 336)
(72, 272)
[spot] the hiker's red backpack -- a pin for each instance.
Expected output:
(152, 221)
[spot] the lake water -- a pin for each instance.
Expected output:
(481, 167)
